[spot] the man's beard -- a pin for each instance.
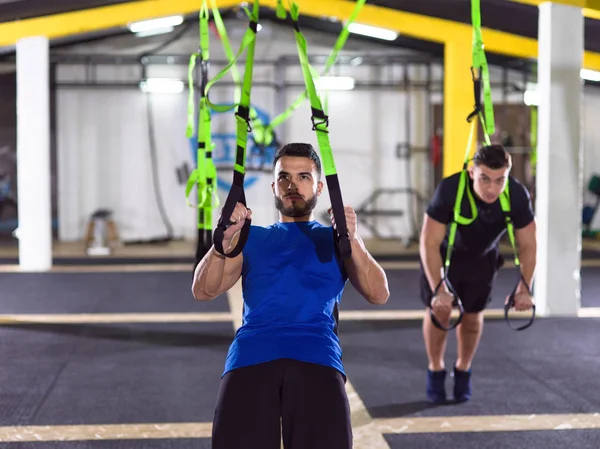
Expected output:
(296, 210)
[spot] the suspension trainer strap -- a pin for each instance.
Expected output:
(481, 75)
(505, 204)
(320, 123)
(236, 193)
(220, 25)
(205, 174)
(339, 45)
(248, 43)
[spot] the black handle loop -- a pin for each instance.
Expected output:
(236, 194)
(511, 303)
(477, 94)
(339, 214)
(457, 303)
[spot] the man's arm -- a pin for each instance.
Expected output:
(365, 274)
(432, 236)
(215, 274)
(527, 245)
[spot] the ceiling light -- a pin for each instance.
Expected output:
(154, 24)
(371, 31)
(334, 83)
(162, 85)
(590, 75)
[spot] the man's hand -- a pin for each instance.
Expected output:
(237, 219)
(441, 305)
(351, 221)
(523, 301)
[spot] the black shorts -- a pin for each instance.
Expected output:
(473, 279)
(304, 402)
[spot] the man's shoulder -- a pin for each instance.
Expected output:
(450, 183)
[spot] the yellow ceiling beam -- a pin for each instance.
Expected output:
(430, 28)
(591, 8)
(413, 25)
(57, 26)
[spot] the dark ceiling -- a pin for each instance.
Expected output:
(503, 15)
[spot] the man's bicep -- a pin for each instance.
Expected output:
(441, 206)
(523, 214)
(433, 232)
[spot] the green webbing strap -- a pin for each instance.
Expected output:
(248, 42)
(533, 138)
(236, 193)
(480, 66)
(462, 187)
(228, 51)
(339, 45)
(320, 125)
(204, 176)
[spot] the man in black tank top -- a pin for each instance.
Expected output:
(474, 262)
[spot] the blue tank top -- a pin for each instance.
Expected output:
(292, 282)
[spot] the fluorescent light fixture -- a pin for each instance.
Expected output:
(154, 24)
(371, 31)
(334, 83)
(155, 32)
(590, 75)
(162, 85)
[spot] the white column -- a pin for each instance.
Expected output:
(560, 160)
(33, 154)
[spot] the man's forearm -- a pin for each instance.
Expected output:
(432, 264)
(527, 258)
(208, 275)
(366, 274)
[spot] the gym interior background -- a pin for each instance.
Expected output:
(69, 336)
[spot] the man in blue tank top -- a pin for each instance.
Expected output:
(284, 374)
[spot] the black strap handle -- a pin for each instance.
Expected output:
(339, 214)
(477, 95)
(511, 303)
(236, 194)
(457, 303)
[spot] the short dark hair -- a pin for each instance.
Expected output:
(492, 156)
(299, 150)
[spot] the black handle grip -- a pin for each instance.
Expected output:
(511, 303)
(457, 303)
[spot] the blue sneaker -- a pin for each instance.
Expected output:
(462, 385)
(436, 388)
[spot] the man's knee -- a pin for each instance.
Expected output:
(472, 322)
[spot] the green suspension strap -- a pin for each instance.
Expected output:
(320, 125)
(205, 174)
(533, 139)
(485, 113)
(236, 193)
(339, 45)
(505, 204)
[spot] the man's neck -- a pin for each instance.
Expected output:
(304, 218)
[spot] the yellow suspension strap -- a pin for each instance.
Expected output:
(204, 176)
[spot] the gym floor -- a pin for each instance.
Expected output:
(117, 354)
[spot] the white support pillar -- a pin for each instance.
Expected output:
(33, 154)
(560, 160)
